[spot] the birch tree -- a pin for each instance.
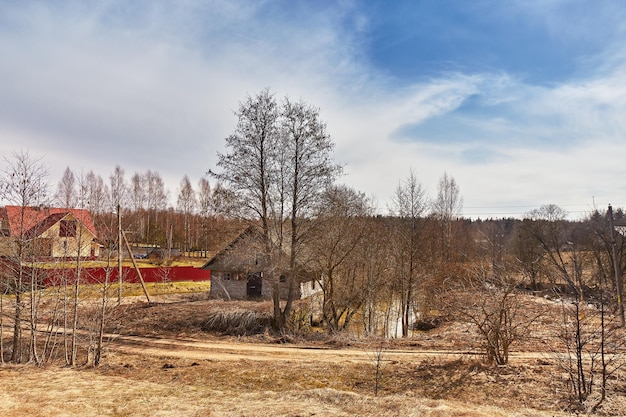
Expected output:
(97, 194)
(186, 206)
(447, 207)
(156, 196)
(138, 199)
(66, 189)
(277, 165)
(249, 167)
(23, 184)
(410, 204)
(309, 170)
(118, 188)
(205, 211)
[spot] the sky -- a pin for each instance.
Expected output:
(522, 102)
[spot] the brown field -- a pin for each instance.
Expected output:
(160, 362)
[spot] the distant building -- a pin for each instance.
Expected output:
(48, 232)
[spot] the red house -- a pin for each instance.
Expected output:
(48, 232)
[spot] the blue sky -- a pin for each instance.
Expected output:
(523, 102)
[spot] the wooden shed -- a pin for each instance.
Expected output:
(241, 271)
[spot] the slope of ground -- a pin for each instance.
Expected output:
(160, 361)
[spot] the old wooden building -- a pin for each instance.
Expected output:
(242, 270)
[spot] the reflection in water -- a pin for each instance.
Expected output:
(382, 320)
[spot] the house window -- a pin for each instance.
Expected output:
(67, 228)
(227, 276)
(282, 278)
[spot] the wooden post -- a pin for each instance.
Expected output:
(617, 269)
(119, 255)
(143, 285)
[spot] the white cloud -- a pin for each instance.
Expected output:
(96, 86)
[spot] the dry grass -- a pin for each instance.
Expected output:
(133, 386)
(297, 384)
(186, 314)
(141, 263)
(161, 291)
(237, 323)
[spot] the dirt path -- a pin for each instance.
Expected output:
(235, 351)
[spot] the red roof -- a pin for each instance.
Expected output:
(40, 219)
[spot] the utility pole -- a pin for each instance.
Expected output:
(137, 270)
(119, 255)
(616, 268)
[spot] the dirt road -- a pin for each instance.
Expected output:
(235, 351)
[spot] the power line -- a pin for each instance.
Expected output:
(541, 205)
(520, 210)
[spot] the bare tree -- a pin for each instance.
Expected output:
(377, 348)
(97, 194)
(548, 226)
(248, 168)
(101, 315)
(307, 172)
(118, 188)
(410, 204)
(138, 202)
(156, 196)
(340, 229)
(278, 163)
(205, 209)
(447, 207)
(186, 206)
(223, 201)
(594, 344)
(81, 247)
(66, 189)
(591, 344)
(24, 184)
(529, 254)
(374, 257)
(489, 300)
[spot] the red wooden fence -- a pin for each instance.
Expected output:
(99, 275)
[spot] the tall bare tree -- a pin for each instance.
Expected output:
(138, 201)
(278, 163)
(117, 199)
(447, 208)
(410, 204)
(118, 188)
(23, 184)
(156, 196)
(567, 254)
(249, 166)
(529, 254)
(205, 210)
(81, 246)
(66, 189)
(186, 203)
(549, 227)
(97, 194)
(334, 246)
(308, 171)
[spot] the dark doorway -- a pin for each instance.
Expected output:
(254, 286)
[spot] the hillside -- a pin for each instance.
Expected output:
(161, 357)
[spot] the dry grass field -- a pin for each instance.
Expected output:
(160, 361)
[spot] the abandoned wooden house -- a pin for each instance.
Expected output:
(48, 232)
(241, 271)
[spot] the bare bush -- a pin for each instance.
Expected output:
(237, 322)
(489, 301)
